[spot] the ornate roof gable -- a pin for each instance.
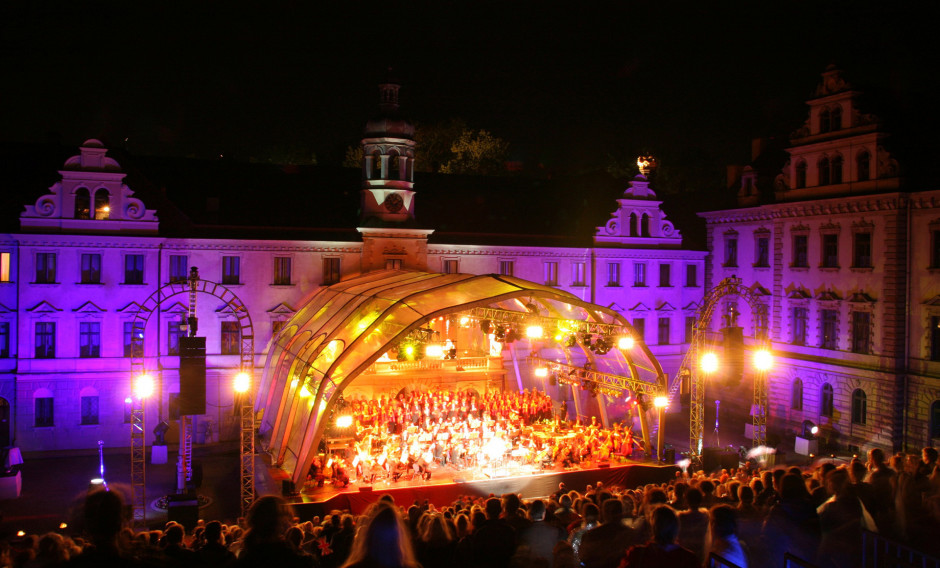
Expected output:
(91, 197)
(639, 221)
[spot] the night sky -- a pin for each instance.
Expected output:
(568, 85)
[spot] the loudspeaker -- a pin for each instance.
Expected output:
(184, 509)
(733, 367)
(728, 460)
(192, 375)
(711, 459)
(669, 455)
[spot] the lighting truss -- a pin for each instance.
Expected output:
(607, 381)
(138, 464)
(548, 323)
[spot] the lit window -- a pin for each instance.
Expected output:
(45, 268)
(91, 269)
(506, 267)
(134, 269)
(551, 273)
(5, 266)
(45, 415)
(179, 268)
(800, 320)
(282, 268)
(662, 332)
(829, 320)
(89, 333)
(89, 410)
(102, 204)
(861, 332)
(861, 250)
(825, 403)
(330, 270)
(174, 331)
(45, 340)
(665, 275)
(613, 274)
(577, 274)
(859, 407)
(231, 269)
(639, 274)
(231, 338)
(796, 399)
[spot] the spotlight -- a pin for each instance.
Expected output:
(434, 350)
(763, 360)
(344, 421)
(709, 362)
(500, 333)
(660, 402)
(602, 345)
(534, 332)
(541, 372)
(586, 339)
(464, 321)
(553, 379)
(626, 342)
(485, 326)
(242, 382)
(571, 341)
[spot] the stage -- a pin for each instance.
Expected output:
(447, 484)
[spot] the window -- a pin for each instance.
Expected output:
(5, 266)
(128, 409)
(935, 419)
(731, 251)
(796, 397)
(859, 407)
(179, 268)
(639, 324)
(662, 331)
(277, 326)
(800, 321)
(829, 328)
(861, 250)
(392, 264)
(691, 275)
(861, 332)
(665, 273)
(82, 204)
(44, 412)
(4, 339)
(551, 273)
(935, 250)
(613, 274)
(451, 266)
(134, 269)
(639, 274)
(174, 331)
(824, 117)
(231, 338)
(835, 118)
(835, 166)
(45, 340)
(89, 410)
(45, 268)
(762, 252)
(506, 267)
(89, 339)
(231, 269)
(577, 274)
(282, 270)
(825, 401)
(830, 250)
(823, 167)
(934, 338)
(129, 329)
(800, 175)
(689, 328)
(800, 248)
(91, 269)
(330, 270)
(863, 166)
(102, 204)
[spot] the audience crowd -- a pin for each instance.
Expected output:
(747, 517)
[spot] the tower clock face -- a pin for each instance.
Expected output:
(393, 203)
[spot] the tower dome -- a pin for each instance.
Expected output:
(389, 122)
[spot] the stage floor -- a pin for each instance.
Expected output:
(448, 483)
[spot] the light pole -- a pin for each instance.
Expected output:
(242, 387)
(143, 388)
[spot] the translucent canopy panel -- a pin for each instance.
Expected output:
(343, 329)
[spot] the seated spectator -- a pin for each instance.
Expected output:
(264, 543)
(662, 550)
(382, 541)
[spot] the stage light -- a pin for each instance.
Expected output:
(763, 360)
(464, 321)
(344, 421)
(63, 526)
(626, 342)
(709, 363)
(485, 326)
(242, 382)
(571, 341)
(434, 350)
(143, 386)
(541, 372)
(814, 430)
(534, 332)
(20, 533)
(410, 351)
(661, 402)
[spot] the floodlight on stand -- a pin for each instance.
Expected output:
(344, 421)
(541, 372)
(661, 402)
(242, 382)
(571, 341)
(434, 350)
(626, 342)
(763, 360)
(464, 321)
(534, 332)
(709, 362)
(143, 386)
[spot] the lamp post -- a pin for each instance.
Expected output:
(143, 387)
(242, 387)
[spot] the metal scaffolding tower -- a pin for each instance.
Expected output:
(138, 462)
(247, 453)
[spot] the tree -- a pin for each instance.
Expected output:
(477, 152)
(285, 155)
(433, 143)
(353, 157)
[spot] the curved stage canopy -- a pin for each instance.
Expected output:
(345, 328)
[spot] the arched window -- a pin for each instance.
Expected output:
(859, 407)
(824, 118)
(800, 175)
(823, 167)
(633, 225)
(102, 204)
(393, 166)
(825, 403)
(835, 118)
(836, 170)
(796, 401)
(645, 225)
(935, 419)
(376, 165)
(863, 166)
(82, 204)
